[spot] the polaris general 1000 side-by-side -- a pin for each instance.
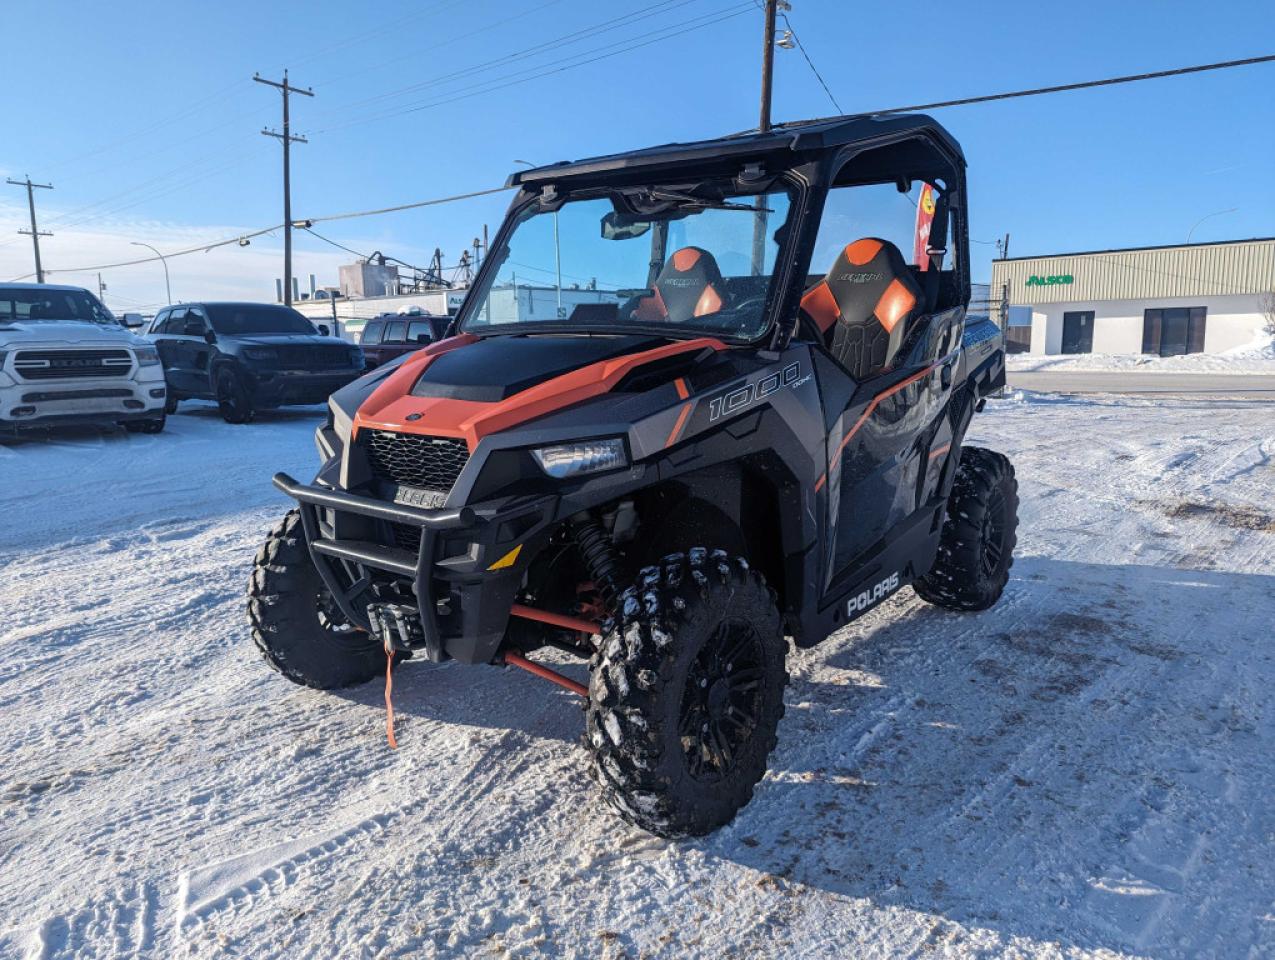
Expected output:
(702, 398)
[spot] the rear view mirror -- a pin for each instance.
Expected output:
(131, 320)
(618, 226)
(209, 336)
(423, 338)
(324, 330)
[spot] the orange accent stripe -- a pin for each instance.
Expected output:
(940, 451)
(819, 302)
(390, 405)
(676, 432)
(401, 381)
(894, 305)
(682, 391)
(684, 259)
(709, 302)
(872, 405)
(861, 251)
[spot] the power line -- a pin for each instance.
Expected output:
(543, 47)
(415, 54)
(1041, 91)
(241, 239)
(810, 63)
(407, 206)
(534, 73)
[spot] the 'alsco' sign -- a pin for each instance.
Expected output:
(1062, 279)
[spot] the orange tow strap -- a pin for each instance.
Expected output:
(389, 704)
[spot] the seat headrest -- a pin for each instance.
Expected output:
(864, 304)
(689, 285)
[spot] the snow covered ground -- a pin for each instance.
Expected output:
(1256, 357)
(1086, 770)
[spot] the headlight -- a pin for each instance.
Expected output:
(261, 353)
(146, 356)
(573, 459)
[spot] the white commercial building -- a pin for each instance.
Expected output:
(1194, 298)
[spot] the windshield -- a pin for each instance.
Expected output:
(659, 259)
(233, 319)
(38, 303)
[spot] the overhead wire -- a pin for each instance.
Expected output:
(582, 59)
(567, 39)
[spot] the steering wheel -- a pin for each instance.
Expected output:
(747, 311)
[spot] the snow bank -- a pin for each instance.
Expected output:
(1255, 357)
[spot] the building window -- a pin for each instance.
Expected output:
(1173, 331)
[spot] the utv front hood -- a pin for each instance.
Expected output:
(496, 368)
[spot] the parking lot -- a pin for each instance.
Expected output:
(1084, 770)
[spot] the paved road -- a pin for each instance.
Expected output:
(1232, 385)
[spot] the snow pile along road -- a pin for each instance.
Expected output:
(1257, 357)
(1085, 770)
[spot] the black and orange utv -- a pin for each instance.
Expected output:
(691, 408)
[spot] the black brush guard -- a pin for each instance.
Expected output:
(482, 593)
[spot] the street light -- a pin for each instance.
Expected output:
(557, 249)
(1215, 213)
(167, 286)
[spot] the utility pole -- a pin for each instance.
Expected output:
(34, 231)
(767, 64)
(760, 220)
(288, 139)
(101, 289)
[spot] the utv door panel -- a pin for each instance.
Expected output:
(879, 467)
(885, 466)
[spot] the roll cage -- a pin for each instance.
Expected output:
(809, 158)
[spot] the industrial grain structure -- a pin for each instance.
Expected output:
(1194, 298)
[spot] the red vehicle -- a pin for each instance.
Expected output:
(392, 335)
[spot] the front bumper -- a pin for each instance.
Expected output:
(51, 403)
(277, 388)
(463, 603)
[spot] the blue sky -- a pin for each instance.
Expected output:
(144, 117)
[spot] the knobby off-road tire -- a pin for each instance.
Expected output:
(698, 636)
(170, 403)
(976, 547)
(233, 399)
(296, 625)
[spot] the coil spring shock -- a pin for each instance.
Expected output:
(599, 556)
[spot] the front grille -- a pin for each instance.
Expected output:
(68, 364)
(314, 356)
(433, 463)
(406, 536)
(45, 396)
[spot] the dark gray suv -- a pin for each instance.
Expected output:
(249, 356)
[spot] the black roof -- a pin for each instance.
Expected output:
(808, 135)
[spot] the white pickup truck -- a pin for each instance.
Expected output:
(65, 359)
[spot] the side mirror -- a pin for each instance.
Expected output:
(423, 338)
(324, 330)
(209, 336)
(132, 321)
